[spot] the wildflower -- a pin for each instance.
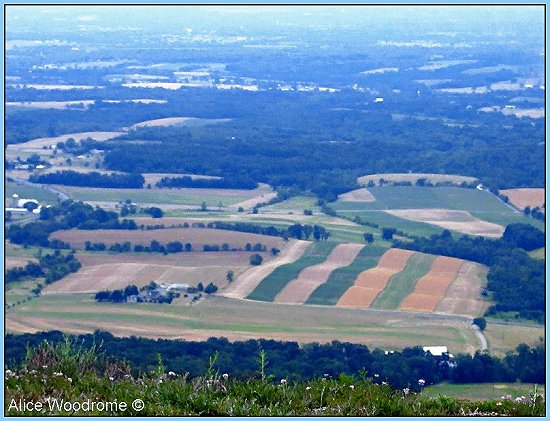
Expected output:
(33, 372)
(308, 388)
(377, 375)
(351, 386)
(69, 380)
(58, 374)
(9, 372)
(111, 378)
(283, 381)
(160, 381)
(518, 399)
(385, 383)
(499, 403)
(44, 366)
(225, 376)
(421, 382)
(326, 374)
(171, 374)
(406, 391)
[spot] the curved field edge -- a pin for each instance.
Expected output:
(403, 283)
(343, 278)
(271, 285)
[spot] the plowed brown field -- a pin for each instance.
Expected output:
(371, 282)
(431, 288)
(196, 236)
(298, 290)
(521, 198)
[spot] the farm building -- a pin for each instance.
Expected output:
(436, 351)
(177, 287)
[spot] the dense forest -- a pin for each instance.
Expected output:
(92, 179)
(205, 183)
(289, 360)
(515, 279)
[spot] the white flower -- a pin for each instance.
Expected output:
(377, 375)
(384, 383)
(69, 380)
(351, 386)
(283, 381)
(499, 403)
(518, 399)
(406, 391)
(308, 388)
(172, 374)
(111, 378)
(421, 382)
(9, 372)
(225, 376)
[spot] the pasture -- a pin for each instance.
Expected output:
(240, 320)
(29, 192)
(51, 141)
(502, 336)
(196, 236)
(159, 197)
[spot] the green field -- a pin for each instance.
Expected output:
(239, 320)
(295, 204)
(29, 192)
(156, 196)
(414, 197)
(402, 283)
(343, 278)
(277, 280)
(383, 219)
(482, 391)
(505, 219)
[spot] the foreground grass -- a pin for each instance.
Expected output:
(63, 377)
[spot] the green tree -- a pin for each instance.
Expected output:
(230, 276)
(369, 237)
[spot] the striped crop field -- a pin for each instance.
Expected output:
(298, 290)
(431, 288)
(402, 284)
(371, 282)
(271, 285)
(341, 279)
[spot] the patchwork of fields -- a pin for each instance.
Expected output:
(361, 277)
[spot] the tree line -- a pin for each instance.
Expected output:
(91, 179)
(51, 267)
(232, 182)
(294, 362)
(68, 215)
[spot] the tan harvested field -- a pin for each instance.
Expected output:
(154, 178)
(359, 195)
(371, 282)
(505, 337)
(431, 288)
(240, 320)
(161, 122)
(521, 198)
(51, 141)
(298, 290)
(460, 221)
(463, 297)
(58, 105)
(413, 177)
(14, 262)
(245, 283)
(250, 203)
(196, 236)
(101, 271)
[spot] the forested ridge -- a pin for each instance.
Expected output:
(294, 362)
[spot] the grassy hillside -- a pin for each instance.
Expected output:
(55, 375)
